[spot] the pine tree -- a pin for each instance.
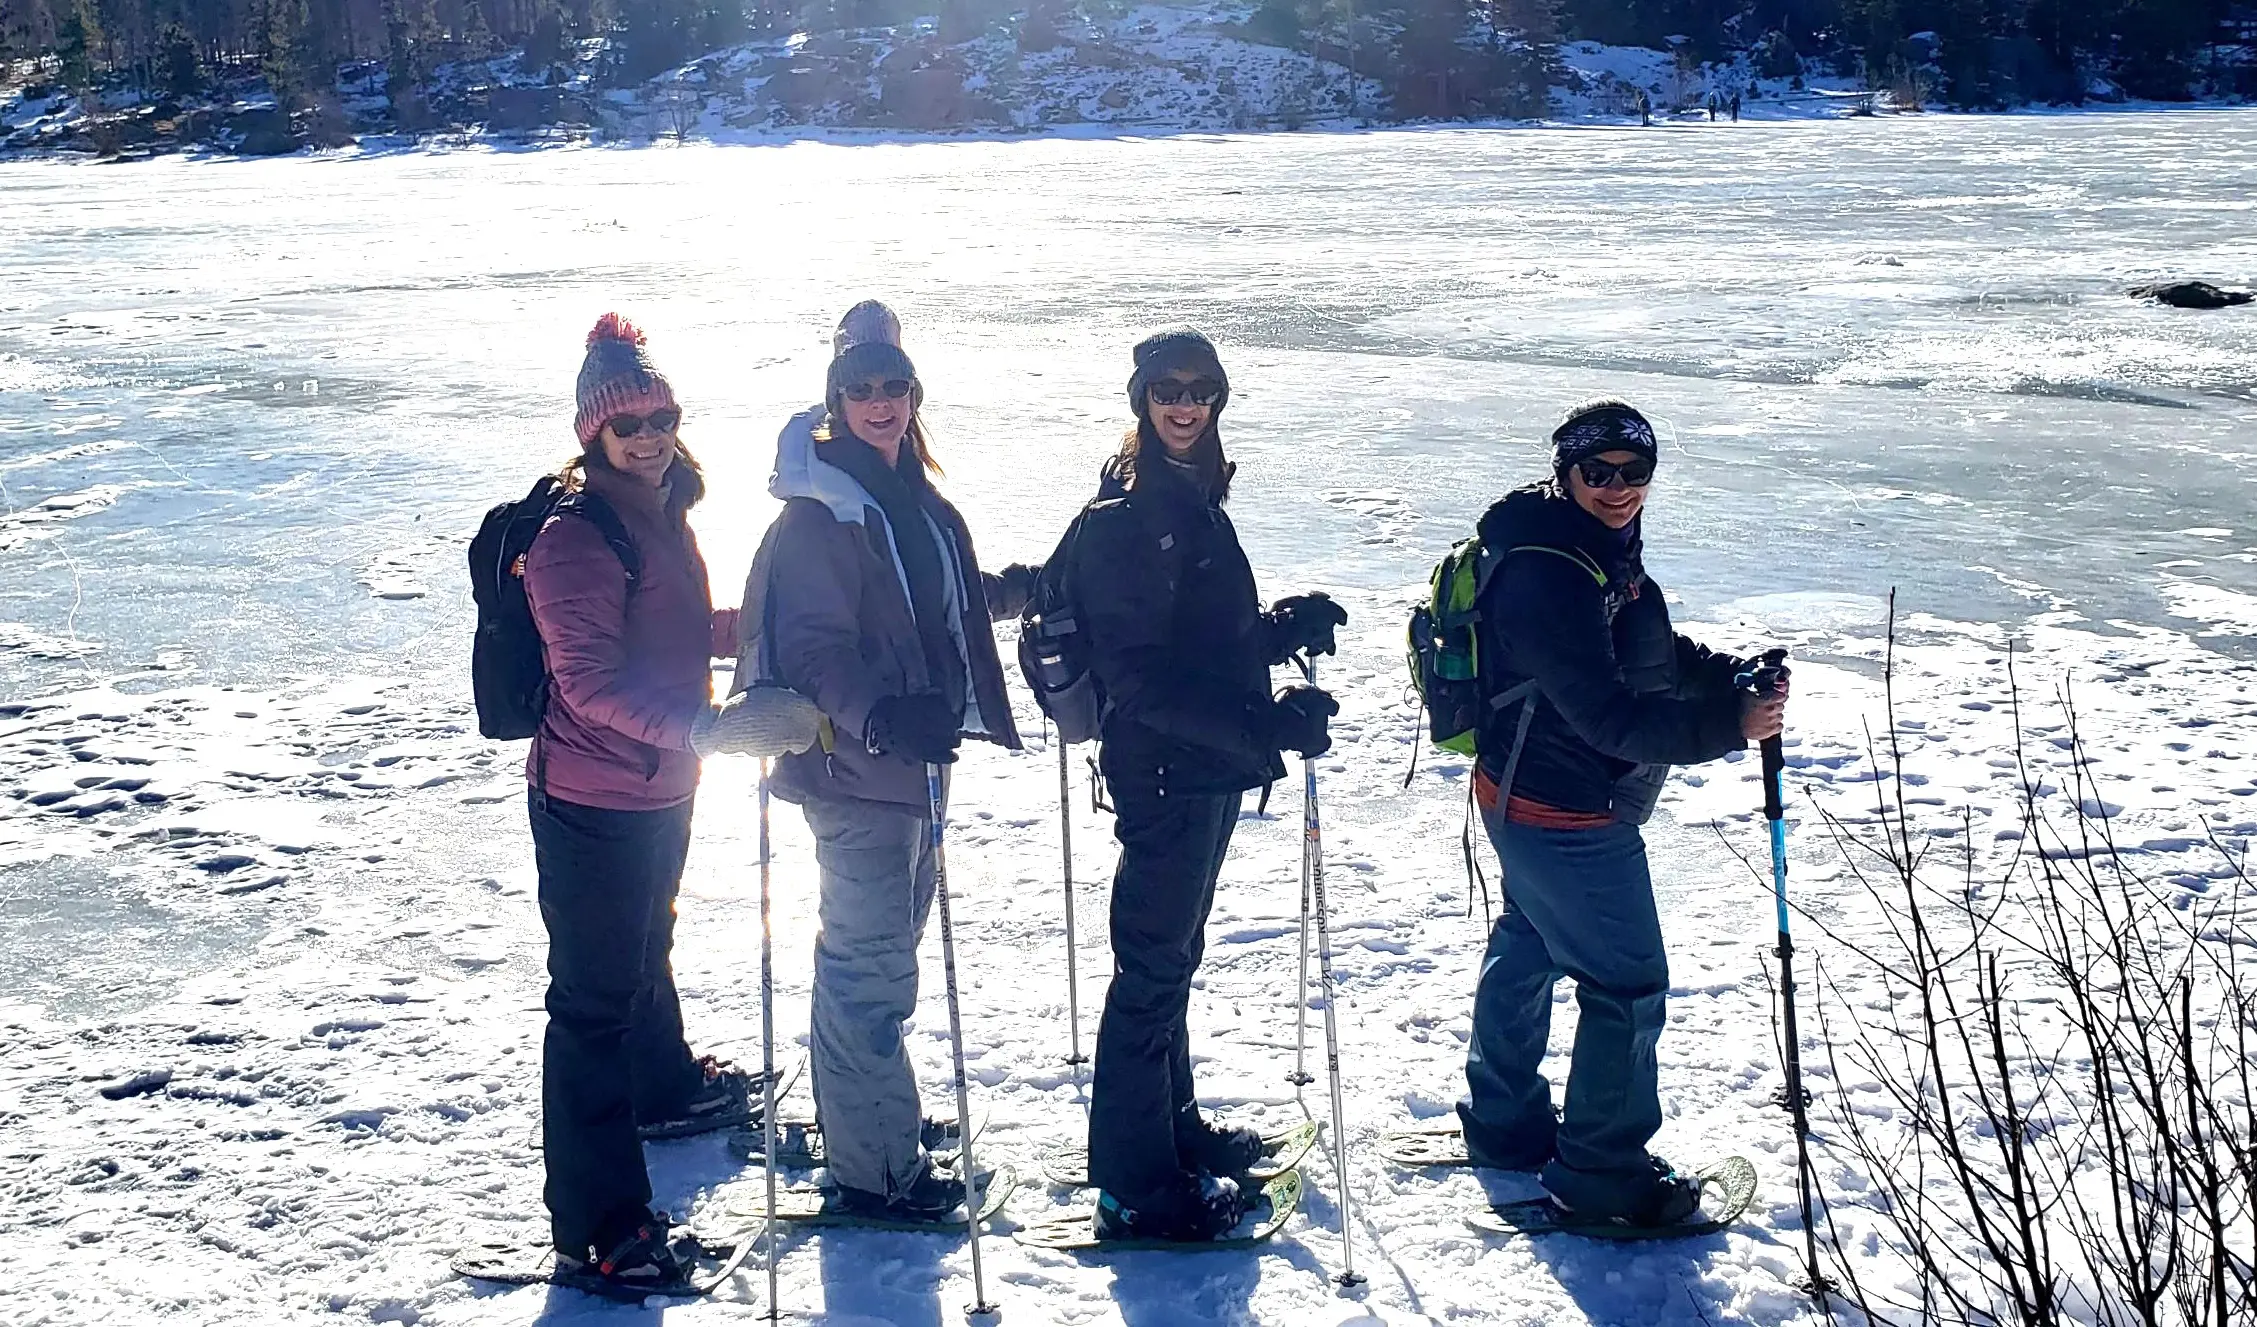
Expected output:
(1528, 33)
(179, 63)
(78, 36)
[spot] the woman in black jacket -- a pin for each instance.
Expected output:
(1183, 650)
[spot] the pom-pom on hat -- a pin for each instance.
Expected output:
(1163, 353)
(1601, 426)
(868, 321)
(617, 378)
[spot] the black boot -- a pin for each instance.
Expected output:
(1654, 1195)
(1197, 1208)
(937, 1194)
(1212, 1149)
(639, 1261)
(726, 1097)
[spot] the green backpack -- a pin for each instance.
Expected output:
(1445, 645)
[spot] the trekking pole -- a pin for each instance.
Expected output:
(1300, 1077)
(1312, 840)
(768, 1044)
(1764, 680)
(979, 1305)
(1066, 848)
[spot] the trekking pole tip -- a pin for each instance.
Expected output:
(1349, 1280)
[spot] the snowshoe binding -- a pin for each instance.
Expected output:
(727, 1097)
(1198, 1209)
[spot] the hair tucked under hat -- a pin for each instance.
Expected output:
(617, 378)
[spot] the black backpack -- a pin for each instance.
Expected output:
(508, 675)
(1053, 648)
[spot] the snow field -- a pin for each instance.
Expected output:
(313, 1127)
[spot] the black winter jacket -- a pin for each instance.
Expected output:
(1177, 638)
(1622, 696)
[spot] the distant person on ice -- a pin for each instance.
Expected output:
(1180, 644)
(1620, 697)
(877, 610)
(613, 772)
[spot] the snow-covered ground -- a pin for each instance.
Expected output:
(259, 877)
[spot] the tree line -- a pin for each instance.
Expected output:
(1436, 57)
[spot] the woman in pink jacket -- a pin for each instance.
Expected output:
(613, 773)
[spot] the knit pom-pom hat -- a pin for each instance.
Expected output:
(617, 378)
(861, 363)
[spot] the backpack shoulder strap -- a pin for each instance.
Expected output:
(598, 513)
(1574, 555)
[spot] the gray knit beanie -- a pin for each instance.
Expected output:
(870, 359)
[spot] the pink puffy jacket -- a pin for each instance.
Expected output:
(629, 670)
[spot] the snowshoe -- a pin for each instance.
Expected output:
(1077, 1232)
(1658, 1197)
(1726, 1189)
(706, 1266)
(727, 1097)
(1198, 1209)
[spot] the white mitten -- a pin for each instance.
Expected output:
(762, 721)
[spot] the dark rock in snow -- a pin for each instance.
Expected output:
(262, 133)
(2192, 295)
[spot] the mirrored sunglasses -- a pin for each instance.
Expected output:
(1637, 472)
(894, 389)
(1199, 391)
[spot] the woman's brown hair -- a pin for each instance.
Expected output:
(685, 478)
(834, 426)
(1214, 469)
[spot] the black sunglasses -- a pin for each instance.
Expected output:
(1199, 391)
(1637, 472)
(894, 388)
(660, 421)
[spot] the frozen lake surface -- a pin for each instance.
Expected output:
(250, 412)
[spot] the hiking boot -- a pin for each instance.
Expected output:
(725, 1097)
(936, 1195)
(1215, 1149)
(1655, 1196)
(1523, 1149)
(1197, 1208)
(643, 1261)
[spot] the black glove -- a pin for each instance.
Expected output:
(1298, 721)
(1014, 590)
(1305, 622)
(922, 727)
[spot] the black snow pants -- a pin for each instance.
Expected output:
(1141, 1105)
(614, 1052)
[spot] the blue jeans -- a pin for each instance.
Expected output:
(1578, 903)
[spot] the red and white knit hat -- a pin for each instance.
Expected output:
(617, 378)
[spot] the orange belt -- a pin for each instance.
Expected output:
(1523, 811)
